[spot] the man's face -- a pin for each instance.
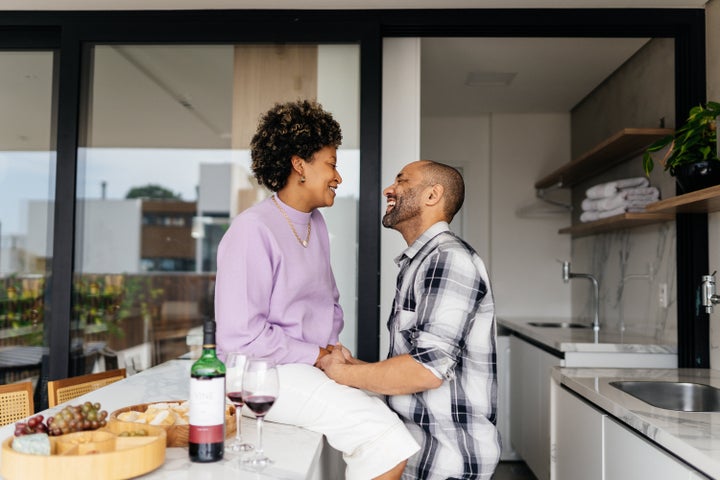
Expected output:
(403, 196)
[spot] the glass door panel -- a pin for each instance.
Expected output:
(164, 166)
(27, 179)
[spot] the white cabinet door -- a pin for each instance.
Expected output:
(630, 457)
(578, 438)
(530, 369)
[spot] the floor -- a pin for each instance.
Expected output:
(513, 471)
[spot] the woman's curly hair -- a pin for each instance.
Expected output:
(294, 128)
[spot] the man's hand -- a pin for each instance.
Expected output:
(332, 362)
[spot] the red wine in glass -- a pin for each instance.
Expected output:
(236, 398)
(259, 404)
(235, 365)
(260, 388)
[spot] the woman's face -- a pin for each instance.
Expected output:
(322, 177)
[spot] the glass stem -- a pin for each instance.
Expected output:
(238, 418)
(259, 430)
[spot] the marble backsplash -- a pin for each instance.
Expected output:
(631, 265)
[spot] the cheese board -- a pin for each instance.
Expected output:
(118, 450)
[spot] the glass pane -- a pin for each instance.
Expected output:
(27, 176)
(165, 166)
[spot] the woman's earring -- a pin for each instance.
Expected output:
(302, 178)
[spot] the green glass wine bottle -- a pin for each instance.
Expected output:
(206, 439)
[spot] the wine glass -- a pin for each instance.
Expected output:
(259, 391)
(235, 366)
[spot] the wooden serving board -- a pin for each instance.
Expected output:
(177, 435)
(92, 455)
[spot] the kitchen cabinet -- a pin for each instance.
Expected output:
(577, 438)
(592, 445)
(530, 369)
(531, 363)
(629, 457)
(623, 145)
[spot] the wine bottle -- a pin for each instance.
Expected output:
(206, 440)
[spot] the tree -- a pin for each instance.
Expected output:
(152, 191)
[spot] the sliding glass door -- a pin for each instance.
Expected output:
(164, 166)
(27, 176)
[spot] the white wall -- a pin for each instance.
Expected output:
(526, 276)
(400, 145)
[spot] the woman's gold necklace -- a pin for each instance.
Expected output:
(304, 243)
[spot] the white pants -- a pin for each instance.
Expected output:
(371, 437)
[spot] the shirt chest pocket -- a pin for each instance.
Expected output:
(406, 325)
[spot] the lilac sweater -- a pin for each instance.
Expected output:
(273, 297)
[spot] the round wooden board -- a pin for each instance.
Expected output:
(130, 457)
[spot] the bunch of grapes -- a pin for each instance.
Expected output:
(87, 416)
(33, 425)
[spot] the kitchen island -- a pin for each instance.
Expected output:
(690, 438)
(298, 453)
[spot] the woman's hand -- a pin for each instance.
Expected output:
(323, 352)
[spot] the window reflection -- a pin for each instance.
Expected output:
(27, 176)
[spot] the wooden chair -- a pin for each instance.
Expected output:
(16, 402)
(60, 391)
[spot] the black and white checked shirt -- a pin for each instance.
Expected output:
(443, 316)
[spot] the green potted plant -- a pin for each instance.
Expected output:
(692, 157)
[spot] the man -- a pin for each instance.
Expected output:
(440, 374)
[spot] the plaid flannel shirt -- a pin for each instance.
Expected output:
(443, 316)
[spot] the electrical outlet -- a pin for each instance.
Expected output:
(663, 295)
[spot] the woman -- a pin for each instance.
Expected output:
(276, 295)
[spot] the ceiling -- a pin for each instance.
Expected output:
(549, 75)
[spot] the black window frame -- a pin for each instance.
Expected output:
(69, 33)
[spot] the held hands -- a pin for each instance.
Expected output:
(335, 359)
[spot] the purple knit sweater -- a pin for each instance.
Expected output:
(273, 297)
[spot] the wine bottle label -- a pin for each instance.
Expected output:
(207, 408)
(214, 434)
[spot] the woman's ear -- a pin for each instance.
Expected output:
(297, 164)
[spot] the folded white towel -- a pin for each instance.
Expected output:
(609, 189)
(593, 215)
(646, 195)
(633, 182)
(641, 191)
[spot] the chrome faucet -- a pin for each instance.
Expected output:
(709, 297)
(567, 275)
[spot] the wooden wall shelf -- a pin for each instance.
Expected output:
(626, 220)
(618, 148)
(706, 200)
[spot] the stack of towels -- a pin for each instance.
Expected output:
(617, 197)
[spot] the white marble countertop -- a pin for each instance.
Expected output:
(583, 339)
(692, 436)
(296, 451)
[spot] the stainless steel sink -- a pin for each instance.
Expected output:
(682, 396)
(558, 325)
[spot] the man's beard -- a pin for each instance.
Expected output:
(405, 208)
